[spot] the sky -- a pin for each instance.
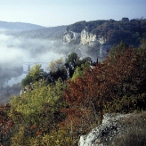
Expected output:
(64, 12)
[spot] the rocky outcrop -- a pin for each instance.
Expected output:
(91, 39)
(88, 44)
(70, 36)
(85, 38)
(104, 133)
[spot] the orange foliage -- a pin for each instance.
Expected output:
(115, 77)
(38, 133)
(6, 124)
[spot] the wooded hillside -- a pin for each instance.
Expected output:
(128, 31)
(58, 112)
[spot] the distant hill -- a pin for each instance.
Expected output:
(17, 26)
(128, 31)
(50, 32)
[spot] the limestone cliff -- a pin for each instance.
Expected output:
(91, 39)
(85, 38)
(70, 36)
(87, 44)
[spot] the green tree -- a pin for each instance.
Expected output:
(39, 111)
(19, 138)
(72, 57)
(55, 65)
(80, 71)
(27, 80)
(120, 48)
(36, 72)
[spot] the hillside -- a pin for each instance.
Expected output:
(17, 26)
(88, 39)
(112, 31)
(128, 31)
(62, 107)
(50, 32)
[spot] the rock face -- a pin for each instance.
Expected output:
(104, 133)
(70, 36)
(85, 38)
(87, 44)
(91, 39)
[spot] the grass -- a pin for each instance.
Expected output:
(135, 135)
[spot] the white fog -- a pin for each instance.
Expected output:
(20, 52)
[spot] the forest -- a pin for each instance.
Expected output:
(128, 31)
(56, 108)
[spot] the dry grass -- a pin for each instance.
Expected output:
(135, 135)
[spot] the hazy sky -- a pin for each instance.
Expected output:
(64, 12)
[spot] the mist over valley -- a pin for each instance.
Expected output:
(21, 49)
(24, 45)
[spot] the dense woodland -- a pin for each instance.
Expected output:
(128, 31)
(56, 108)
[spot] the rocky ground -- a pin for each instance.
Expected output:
(117, 130)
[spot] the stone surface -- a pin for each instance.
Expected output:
(85, 38)
(91, 39)
(70, 36)
(104, 133)
(87, 44)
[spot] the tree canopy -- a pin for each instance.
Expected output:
(128, 31)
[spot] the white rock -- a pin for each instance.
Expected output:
(91, 39)
(70, 36)
(101, 135)
(85, 38)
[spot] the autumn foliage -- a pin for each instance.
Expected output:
(6, 125)
(118, 84)
(58, 113)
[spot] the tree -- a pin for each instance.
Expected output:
(73, 57)
(55, 65)
(120, 48)
(6, 125)
(117, 85)
(27, 80)
(79, 72)
(36, 72)
(39, 111)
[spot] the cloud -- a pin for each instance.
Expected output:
(18, 52)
